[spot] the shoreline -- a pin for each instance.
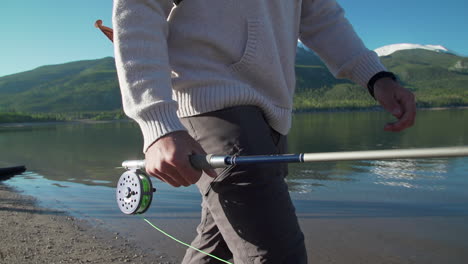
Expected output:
(40, 235)
(386, 235)
(302, 111)
(44, 123)
(372, 109)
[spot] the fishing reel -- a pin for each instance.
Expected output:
(134, 191)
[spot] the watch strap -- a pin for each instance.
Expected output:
(378, 76)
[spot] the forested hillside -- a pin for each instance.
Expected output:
(86, 89)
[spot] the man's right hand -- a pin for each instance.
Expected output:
(168, 159)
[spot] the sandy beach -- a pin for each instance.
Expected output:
(31, 234)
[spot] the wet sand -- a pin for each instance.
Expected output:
(384, 240)
(382, 237)
(31, 234)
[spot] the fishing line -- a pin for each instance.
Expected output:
(135, 190)
(183, 243)
(134, 194)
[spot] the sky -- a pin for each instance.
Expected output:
(36, 33)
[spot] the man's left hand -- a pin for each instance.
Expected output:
(397, 100)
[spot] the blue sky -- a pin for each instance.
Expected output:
(36, 33)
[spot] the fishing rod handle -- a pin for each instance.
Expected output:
(200, 162)
(134, 164)
(209, 161)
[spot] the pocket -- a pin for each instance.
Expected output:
(250, 49)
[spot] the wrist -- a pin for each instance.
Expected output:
(379, 78)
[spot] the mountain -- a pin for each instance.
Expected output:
(437, 77)
(311, 72)
(389, 49)
(89, 85)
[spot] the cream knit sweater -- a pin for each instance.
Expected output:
(205, 55)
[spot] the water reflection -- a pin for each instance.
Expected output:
(89, 153)
(98, 203)
(412, 174)
(84, 153)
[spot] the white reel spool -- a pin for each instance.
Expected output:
(134, 192)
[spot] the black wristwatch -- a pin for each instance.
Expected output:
(378, 76)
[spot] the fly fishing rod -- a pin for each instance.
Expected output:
(135, 190)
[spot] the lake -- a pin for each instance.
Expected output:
(406, 211)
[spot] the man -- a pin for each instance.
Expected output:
(217, 76)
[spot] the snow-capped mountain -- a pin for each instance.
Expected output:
(389, 49)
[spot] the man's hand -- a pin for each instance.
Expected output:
(397, 100)
(168, 159)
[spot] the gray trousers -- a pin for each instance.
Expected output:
(247, 213)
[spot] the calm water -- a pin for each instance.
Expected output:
(72, 167)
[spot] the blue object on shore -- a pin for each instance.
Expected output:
(6, 173)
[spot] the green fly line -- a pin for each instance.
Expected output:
(147, 189)
(183, 243)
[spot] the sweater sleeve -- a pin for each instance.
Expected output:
(325, 30)
(142, 62)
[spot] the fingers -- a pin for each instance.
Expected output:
(168, 159)
(407, 104)
(187, 172)
(388, 99)
(164, 177)
(169, 174)
(400, 102)
(175, 170)
(393, 107)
